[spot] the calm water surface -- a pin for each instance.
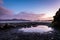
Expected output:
(39, 29)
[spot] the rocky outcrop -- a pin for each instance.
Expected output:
(56, 20)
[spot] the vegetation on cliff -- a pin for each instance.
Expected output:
(56, 20)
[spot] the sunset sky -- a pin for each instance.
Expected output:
(14, 7)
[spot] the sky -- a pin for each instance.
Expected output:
(48, 7)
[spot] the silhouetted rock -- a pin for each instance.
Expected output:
(56, 21)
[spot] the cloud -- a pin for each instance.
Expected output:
(5, 13)
(1, 1)
(3, 10)
(8, 14)
(24, 15)
(31, 16)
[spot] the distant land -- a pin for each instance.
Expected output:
(14, 20)
(22, 20)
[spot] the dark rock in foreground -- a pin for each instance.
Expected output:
(14, 34)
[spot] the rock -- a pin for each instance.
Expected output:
(56, 20)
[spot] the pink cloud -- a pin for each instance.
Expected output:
(1, 1)
(5, 13)
(31, 16)
(27, 16)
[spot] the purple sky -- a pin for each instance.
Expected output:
(11, 8)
